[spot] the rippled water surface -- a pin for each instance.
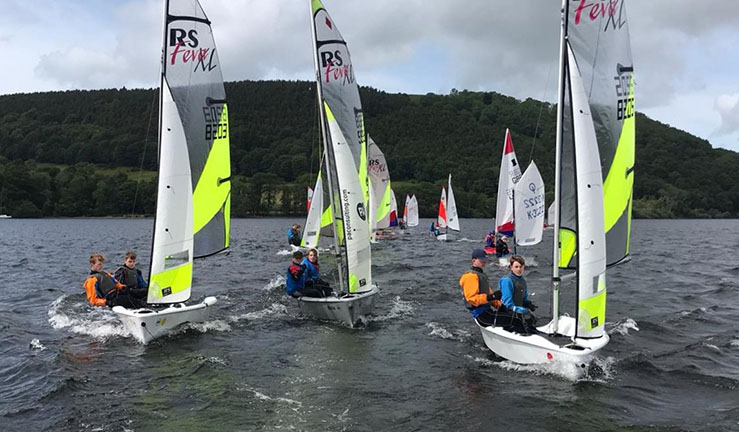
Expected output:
(419, 363)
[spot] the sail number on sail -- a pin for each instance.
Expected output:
(216, 125)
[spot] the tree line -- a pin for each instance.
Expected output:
(94, 153)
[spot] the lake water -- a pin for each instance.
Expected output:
(419, 363)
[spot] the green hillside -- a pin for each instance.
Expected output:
(93, 153)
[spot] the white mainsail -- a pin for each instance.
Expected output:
(529, 207)
(194, 188)
(452, 219)
(312, 230)
(510, 172)
(411, 219)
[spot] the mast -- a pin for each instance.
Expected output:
(159, 135)
(342, 265)
(558, 167)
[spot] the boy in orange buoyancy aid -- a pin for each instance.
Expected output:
(101, 287)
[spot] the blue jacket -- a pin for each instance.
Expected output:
(295, 278)
(311, 271)
(293, 237)
(505, 284)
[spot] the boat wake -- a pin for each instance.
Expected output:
(438, 331)
(400, 308)
(96, 322)
(276, 282)
(599, 370)
(622, 327)
(275, 309)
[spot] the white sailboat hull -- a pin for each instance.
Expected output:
(347, 309)
(148, 324)
(543, 348)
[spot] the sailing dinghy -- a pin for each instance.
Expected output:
(510, 173)
(381, 196)
(194, 188)
(410, 212)
(593, 184)
(448, 218)
(344, 138)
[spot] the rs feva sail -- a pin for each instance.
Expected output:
(598, 35)
(346, 152)
(510, 172)
(194, 188)
(379, 179)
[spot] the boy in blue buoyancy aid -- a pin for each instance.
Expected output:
(490, 239)
(295, 279)
(130, 276)
(515, 315)
(293, 235)
(313, 275)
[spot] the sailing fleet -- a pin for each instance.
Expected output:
(354, 205)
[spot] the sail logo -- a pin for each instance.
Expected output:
(360, 211)
(611, 10)
(335, 69)
(376, 167)
(347, 212)
(185, 48)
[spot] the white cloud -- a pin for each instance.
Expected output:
(681, 48)
(728, 107)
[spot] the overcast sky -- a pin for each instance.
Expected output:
(686, 52)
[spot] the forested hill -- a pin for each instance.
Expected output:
(92, 153)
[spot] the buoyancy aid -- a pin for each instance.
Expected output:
(130, 277)
(295, 278)
(519, 289)
(311, 270)
(105, 283)
(483, 287)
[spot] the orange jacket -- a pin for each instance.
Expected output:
(471, 288)
(91, 284)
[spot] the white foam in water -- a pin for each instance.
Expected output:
(734, 343)
(599, 370)
(439, 331)
(92, 322)
(465, 239)
(284, 252)
(622, 327)
(37, 345)
(215, 325)
(400, 308)
(272, 310)
(265, 397)
(276, 282)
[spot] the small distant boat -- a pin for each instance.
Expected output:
(4, 216)
(410, 212)
(448, 218)
(194, 186)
